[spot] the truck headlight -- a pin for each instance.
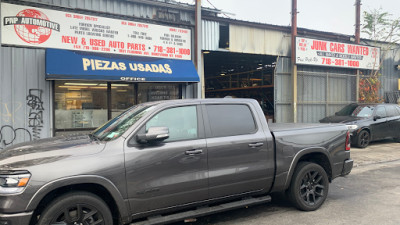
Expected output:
(13, 182)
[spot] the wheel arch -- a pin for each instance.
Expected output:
(365, 128)
(315, 155)
(99, 186)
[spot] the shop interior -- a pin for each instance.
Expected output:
(241, 76)
(85, 105)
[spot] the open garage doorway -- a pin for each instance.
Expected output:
(241, 76)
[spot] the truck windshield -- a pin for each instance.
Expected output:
(118, 125)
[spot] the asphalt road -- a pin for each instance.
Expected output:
(369, 195)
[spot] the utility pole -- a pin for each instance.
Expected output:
(358, 15)
(357, 37)
(197, 48)
(294, 66)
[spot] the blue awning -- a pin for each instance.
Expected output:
(72, 65)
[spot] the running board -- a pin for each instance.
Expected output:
(203, 211)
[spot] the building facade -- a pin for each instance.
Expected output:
(70, 66)
(246, 59)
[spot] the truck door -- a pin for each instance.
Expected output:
(173, 172)
(239, 158)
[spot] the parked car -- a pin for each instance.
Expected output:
(369, 122)
(168, 161)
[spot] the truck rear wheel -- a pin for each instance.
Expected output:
(309, 186)
(76, 208)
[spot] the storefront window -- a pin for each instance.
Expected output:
(84, 105)
(80, 104)
(148, 92)
(122, 97)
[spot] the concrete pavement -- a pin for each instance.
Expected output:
(377, 154)
(369, 195)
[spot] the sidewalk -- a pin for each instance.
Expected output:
(376, 152)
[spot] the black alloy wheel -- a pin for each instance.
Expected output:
(79, 208)
(363, 139)
(309, 186)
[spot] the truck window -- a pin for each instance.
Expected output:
(181, 122)
(230, 120)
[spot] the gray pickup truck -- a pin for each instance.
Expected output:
(167, 161)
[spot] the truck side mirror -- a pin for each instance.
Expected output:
(154, 134)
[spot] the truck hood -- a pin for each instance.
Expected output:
(47, 150)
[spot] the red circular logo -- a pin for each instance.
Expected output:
(32, 34)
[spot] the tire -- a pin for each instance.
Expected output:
(80, 208)
(309, 186)
(363, 139)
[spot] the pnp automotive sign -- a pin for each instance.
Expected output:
(32, 26)
(335, 54)
(44, 28)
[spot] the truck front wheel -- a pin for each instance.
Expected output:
(76, 208)
(309, 186)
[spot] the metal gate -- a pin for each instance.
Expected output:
(320, 91)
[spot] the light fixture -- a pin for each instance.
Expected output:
(78, 87)
(81, 84)
(222, 74)
(206, 52)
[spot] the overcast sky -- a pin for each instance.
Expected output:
(336, 16)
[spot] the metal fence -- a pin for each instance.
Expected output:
(321, 94)
(392, 97)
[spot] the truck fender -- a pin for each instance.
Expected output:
(302, 153)
(81, 179)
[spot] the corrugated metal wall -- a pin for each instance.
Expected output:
(258, 41)
(323, 91)
(320, 91)
(390, 75)
(119, 7)
(210, 35)
(283, 91)
(24, 96)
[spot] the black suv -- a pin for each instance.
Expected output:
(369, 122)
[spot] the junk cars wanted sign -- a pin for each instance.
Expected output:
(335, 54)
(44, 28)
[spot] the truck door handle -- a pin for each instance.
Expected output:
(255, 145)
(194, 152)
